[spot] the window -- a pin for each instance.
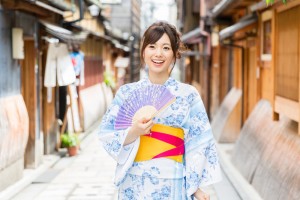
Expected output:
(266, 36)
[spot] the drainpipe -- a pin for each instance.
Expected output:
(207, 58)
(242, 71)
(81, 12)
(201, 26)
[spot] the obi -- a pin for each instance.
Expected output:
(162, 141)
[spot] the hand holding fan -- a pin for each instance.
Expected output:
(146, 102)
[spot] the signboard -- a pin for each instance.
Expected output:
(17, 43)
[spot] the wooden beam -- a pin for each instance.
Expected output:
(273, 65)
(29, 92)
(26, 6)
(288, 6)
(287, 107)
(298, 80)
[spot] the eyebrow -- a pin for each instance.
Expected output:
(162, 44)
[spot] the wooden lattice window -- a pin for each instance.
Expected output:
(266, 44)
(287, 63)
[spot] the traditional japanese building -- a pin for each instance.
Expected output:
(39, 81)
(255, 55)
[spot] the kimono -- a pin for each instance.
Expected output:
(164, 178)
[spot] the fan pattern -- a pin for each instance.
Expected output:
(152, 95)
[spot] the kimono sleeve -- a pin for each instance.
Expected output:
(201, 160)
(112, 139)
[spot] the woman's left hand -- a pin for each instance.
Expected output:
(200, 195)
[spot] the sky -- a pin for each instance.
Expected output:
(161, 10)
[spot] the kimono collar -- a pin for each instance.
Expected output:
(167, 83)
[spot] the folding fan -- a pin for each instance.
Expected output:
(146, 102)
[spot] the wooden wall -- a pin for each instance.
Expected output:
(286, 61)
(224, 72)
(93, 72)
(237, 68)
(287, 54)
(93, 60)
(250, 78)
(49, 114)
(30, 87)
(190, 16)
(92, 47)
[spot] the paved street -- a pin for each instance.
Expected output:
(84, 177)
(89, 176)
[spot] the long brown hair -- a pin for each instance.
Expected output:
(155, 32)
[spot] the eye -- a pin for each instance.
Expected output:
(167, 48)
(151, 46)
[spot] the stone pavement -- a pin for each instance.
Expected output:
(89, 176)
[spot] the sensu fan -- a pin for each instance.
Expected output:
(146, 102)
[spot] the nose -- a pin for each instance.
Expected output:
(158, 52)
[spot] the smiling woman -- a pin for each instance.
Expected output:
(159, 57)
(169, 156)
(161, 46)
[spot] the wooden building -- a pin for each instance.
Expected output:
(30, 111)
(193, 61)
(234, 71)
(21, 129)
(255, 83)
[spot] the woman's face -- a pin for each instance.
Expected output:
(159, 56)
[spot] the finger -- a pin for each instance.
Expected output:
(206, 196)
(145, 120)
(147, 131)
(149, 123)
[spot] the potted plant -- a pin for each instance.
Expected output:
(71, 142)
(109, 80)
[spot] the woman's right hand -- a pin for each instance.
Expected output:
(201, 195)
(138, 128)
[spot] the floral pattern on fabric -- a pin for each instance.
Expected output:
(162, 178)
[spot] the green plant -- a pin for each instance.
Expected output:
(69, 140)
(272, 1)
(109, 79)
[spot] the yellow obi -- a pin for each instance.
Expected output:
(162, 141)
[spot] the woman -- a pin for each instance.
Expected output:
(172, 177)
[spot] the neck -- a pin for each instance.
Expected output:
(158, 79)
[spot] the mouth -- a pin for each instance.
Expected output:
(158, 62)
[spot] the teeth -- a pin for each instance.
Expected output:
(158, 61)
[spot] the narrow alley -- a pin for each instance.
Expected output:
(87, 176)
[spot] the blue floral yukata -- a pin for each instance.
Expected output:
(163, 178)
